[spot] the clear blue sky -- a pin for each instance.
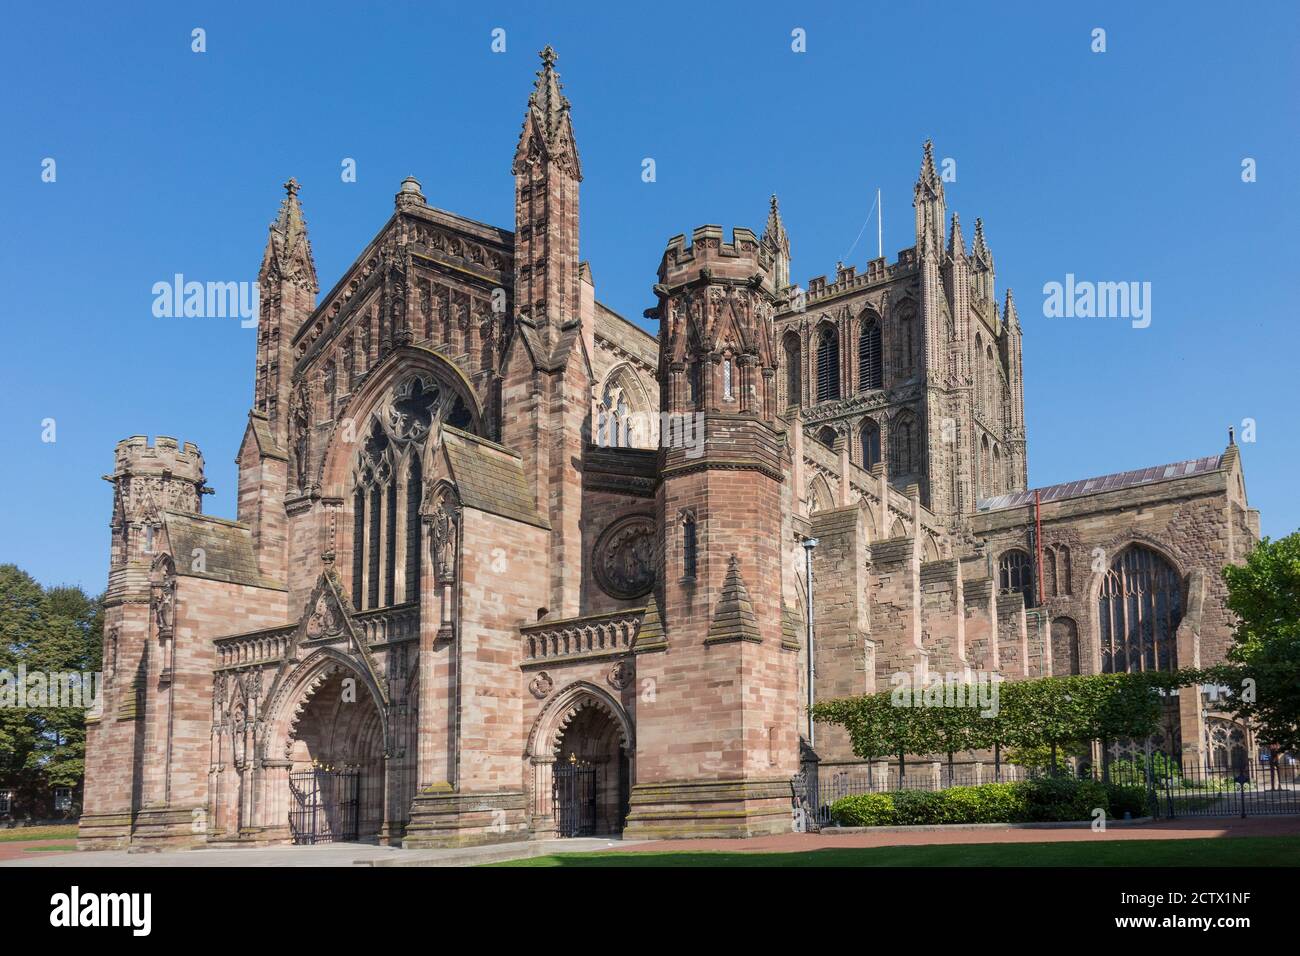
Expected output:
(1117, 166)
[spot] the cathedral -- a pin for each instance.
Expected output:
(505, 566)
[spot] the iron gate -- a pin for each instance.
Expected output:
(323, 805)
(575, 799)
(1245, 790)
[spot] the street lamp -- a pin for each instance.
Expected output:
(808, 545)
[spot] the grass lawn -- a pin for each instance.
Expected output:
(60, 847)
(19, 834)
(1224, 851)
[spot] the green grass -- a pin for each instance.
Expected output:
(1214, 851)
(61, 847)
(20, 834)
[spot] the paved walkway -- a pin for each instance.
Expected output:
(335, 854)
(1162, 830)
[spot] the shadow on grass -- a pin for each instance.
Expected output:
(1235, 851)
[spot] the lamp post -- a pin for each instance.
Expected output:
(808, 545)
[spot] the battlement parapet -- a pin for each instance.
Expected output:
(164, 455)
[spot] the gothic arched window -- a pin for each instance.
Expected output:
(870, 444)
(414, 493)
(870, 364)
(1016, 575)
(1139, 608)
(726, 380)
(828, 365)
(906, 342)
(903, 452)
(792, 376)
(827, 437)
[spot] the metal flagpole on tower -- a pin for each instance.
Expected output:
(880, 227)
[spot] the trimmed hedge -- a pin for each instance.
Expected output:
(1050, 800)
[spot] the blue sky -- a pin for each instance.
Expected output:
(1118, 166)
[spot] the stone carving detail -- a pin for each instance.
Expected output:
(326, 619)
(620, 675)
(541, 685)
(415, 407)
(625, 557)
(442, 538)
(300, 422)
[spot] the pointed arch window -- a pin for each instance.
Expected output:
(870, 445)
(870, 363)
(414, 492)
(828, 365)
(793, 395)
(1140, 606)
(1016, 575)
(903, 451)
(726, 380)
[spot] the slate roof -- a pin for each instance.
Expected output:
(227, 549)
(489, 477)
(1092, 486)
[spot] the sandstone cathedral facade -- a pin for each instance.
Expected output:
(502, 557)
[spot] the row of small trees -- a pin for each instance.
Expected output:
(1048, 712)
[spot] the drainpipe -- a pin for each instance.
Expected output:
(1038, 543)
(808, 545)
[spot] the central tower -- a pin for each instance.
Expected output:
(717, 715)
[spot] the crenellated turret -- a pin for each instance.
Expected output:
(716, 305)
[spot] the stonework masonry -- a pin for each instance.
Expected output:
(506, 566)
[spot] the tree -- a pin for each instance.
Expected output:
(1264, 593)
(48, 631)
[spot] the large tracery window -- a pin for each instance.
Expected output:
(1016, 575)
(870, 364)
(828, 365)
(389, 491)
(1140, 608)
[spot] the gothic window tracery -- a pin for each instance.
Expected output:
(1016, 575)
(1140, 606)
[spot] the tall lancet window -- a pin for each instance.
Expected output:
(828, 365)
(414, 494)
(727, 393)
(792, 377)
(870, 363)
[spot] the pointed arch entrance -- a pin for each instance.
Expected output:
(582, 756)
(332, 734)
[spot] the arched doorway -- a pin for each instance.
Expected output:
(582, 755)
(336, 754)
(591, 776)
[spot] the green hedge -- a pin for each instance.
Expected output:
(1029, 801)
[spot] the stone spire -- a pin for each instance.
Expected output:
(288, 255)
(956, 244)
(979, 247)
(929, 204)
(929, 177)
(548, 128)
(775, 236)
(1009, 316)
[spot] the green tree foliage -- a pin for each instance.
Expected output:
(46, 630)
(1064, 712)
(1264, 593)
